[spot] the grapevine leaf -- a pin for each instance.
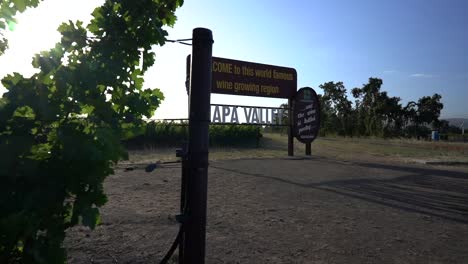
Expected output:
(91, 217)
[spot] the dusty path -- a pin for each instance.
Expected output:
(289, 211)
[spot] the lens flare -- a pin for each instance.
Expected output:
(11, 25)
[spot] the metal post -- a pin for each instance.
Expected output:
(290, 129)
(308, 149)
(199, 120)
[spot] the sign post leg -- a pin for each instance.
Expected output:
(308, 149)
(199, 120)
(290, 129)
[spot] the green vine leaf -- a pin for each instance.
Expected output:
(61, 129)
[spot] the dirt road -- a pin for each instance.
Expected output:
(289, 211)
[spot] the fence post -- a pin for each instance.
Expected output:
(199, 120)
(290, 129)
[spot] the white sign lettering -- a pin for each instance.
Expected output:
(252, 115)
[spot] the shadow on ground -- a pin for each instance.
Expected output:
(433, 192)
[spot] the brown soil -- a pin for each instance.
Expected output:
(288, 211)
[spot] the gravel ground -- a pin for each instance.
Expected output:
(289, 211)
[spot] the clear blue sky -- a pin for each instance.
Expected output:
(418, 47)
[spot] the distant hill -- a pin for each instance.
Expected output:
(457, 121)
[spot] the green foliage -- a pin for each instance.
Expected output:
(157, 134)
(234, 135)
(423, 115)
(60, 129)
(336, 109)
(164, 134)
(375, 113)
(416, 131)
(429, 108)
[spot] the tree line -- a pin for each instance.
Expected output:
(375, 113)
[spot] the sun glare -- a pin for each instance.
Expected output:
(36, 30)
(30, 34)
(29, 37)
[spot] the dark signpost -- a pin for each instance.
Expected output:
(206, 75)
(192, 236)
(306, 120)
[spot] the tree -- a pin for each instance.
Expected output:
(60, 130)
(337, 108)
(390, 112)
(327, 122)
(377, 113)
(368, 100)
(429, 108)
(419, 115)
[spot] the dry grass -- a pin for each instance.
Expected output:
(400, 149)
(275, 145)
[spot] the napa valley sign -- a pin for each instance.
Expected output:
(232, 114)
(236, 77)
(252, 79)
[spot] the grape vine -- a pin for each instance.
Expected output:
(61, 128)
